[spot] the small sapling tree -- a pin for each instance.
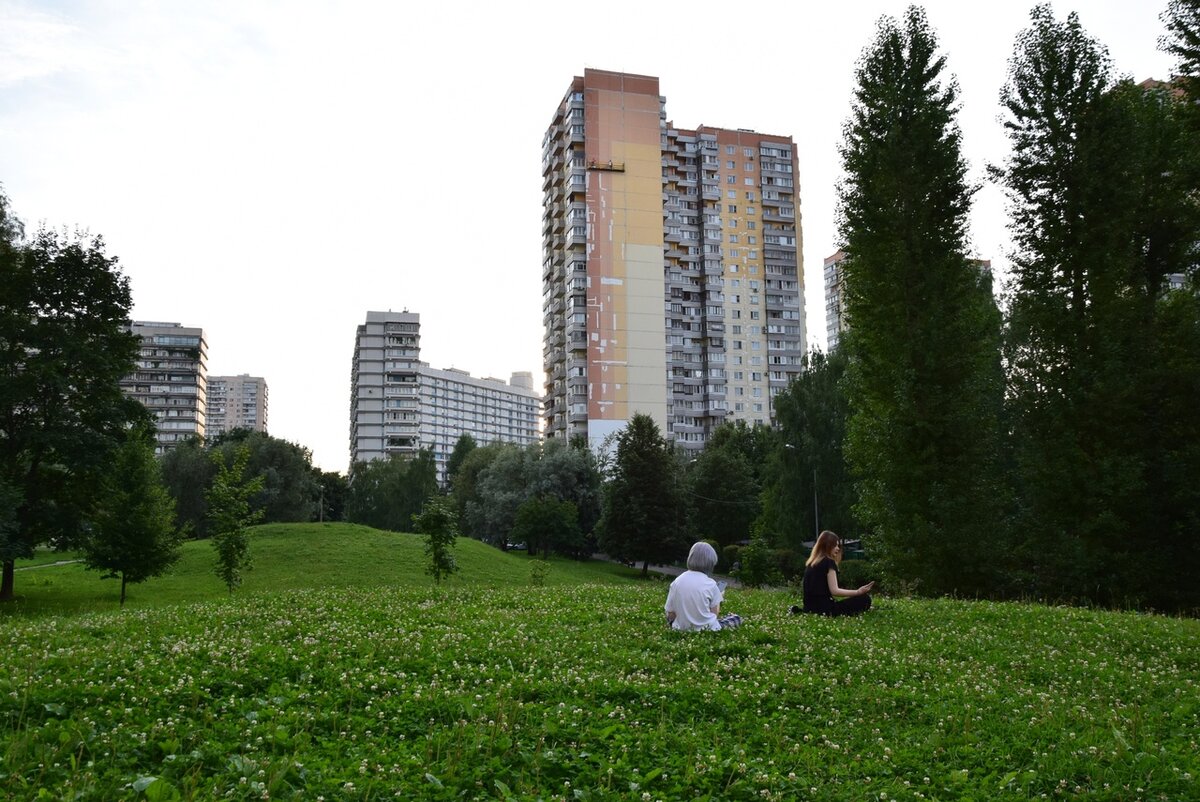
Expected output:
(437, 522)
(229, 515)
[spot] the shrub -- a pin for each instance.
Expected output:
(730, 555)
(759, 566)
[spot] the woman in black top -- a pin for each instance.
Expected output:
(821, 581)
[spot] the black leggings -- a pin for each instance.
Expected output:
(855, 605)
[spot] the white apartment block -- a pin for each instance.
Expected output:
(399, 404)
(236, 402)
(171, 380)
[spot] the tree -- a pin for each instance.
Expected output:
(724, 495)
(187, 473)
(64, 346)
(1182, 40)
(568, 473)
(333, 490)
(547, 524)
(465, 491)
(924, 377)
(387, 493)
(133, 536)
(1101, 191)
(230, 514)
(437, 522)
(290, 490)
(643, 508)
(810, 479)
(462, 447)
(500, 489)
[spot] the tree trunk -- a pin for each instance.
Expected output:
(6, 584)
(122, 590)
(645, 569)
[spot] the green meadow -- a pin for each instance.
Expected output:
(339, 671)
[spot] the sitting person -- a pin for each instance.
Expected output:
(694, 600)
(821, 581)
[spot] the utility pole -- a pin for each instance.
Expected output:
(816, 512)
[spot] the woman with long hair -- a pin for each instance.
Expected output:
(821, 581)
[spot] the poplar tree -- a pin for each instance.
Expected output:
(1100, 186)
(923, 380)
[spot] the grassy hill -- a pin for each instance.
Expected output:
(289, 557)
(490, 688)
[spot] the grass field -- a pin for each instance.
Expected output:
(287, 557)
(490, 688)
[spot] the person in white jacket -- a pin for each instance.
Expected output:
(694, 600)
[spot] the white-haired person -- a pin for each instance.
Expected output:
(694, 600)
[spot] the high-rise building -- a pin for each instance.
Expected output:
(835, 300)
(171, 379)
(399, 404)
(671, 278)
(236, 402)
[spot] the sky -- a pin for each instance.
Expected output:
(270, 171)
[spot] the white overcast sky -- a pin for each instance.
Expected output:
(270, 171)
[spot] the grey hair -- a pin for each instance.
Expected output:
(702, 558)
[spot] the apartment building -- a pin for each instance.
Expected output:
(671, 266)
(399, 404)
(171, 380)
(835, 300)
(236, 402)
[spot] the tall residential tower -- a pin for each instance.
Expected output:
(671, 266)
(171, 379)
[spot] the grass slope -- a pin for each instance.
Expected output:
(288, 557)
(493, 689)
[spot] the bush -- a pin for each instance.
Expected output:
(730, 555)
(790, 563)
(759, 565)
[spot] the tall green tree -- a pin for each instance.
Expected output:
(924, 378)
(64, 346)
(1101, 190)
(567, 473)
(387, 493)
(133, 535)
(466, 488)
(546, 524)
(290, 491)
(333, 489)
(500, 489)
(810, 488)
(723, 492)
(230, 514)
(187, 472)
(462, 447)
(643, 507)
